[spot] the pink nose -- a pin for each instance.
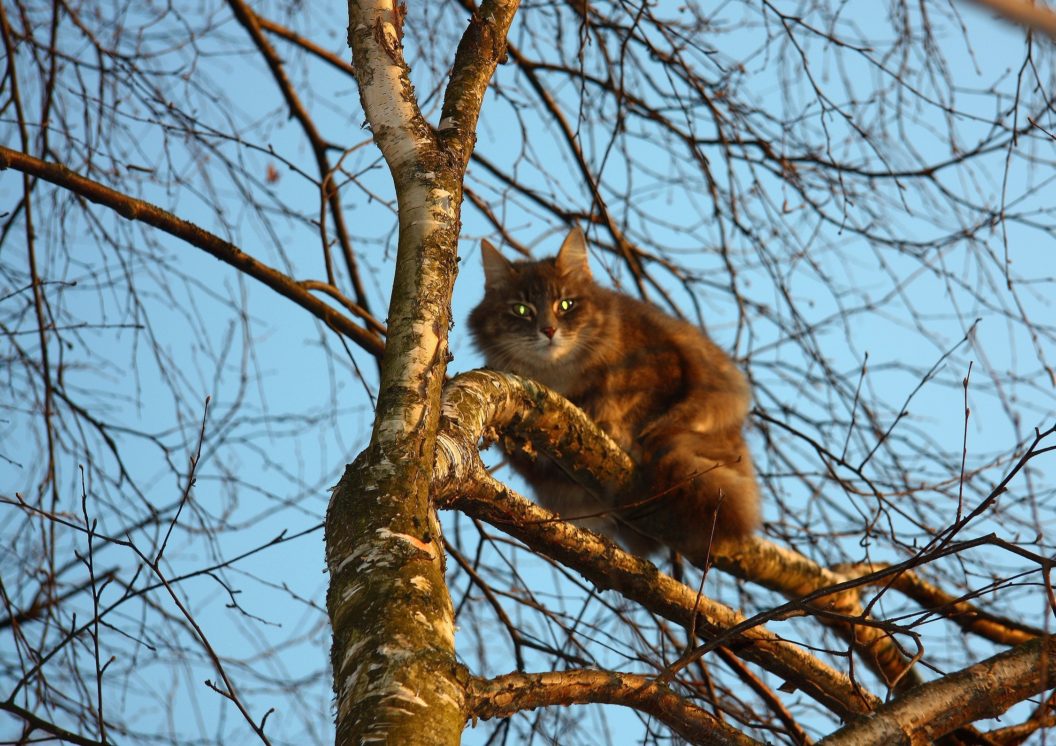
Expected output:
(549, 331)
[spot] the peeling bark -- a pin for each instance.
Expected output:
(393, 654)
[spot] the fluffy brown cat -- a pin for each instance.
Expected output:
(659, 387)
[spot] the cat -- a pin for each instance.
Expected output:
(659, 387)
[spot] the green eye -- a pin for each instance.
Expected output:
(520, 309)
(566, 304)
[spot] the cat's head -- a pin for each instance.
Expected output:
(538, 314)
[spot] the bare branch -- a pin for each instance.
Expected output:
(38, 723)
(505, 695)
(932, 710)
(137, 209)
(327, 185)
(481, 48)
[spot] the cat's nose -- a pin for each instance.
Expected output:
(549, 331)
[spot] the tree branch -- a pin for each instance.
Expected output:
(375, 34)
(501, 406)
(480, 50)
(479, 403)
(331, 195)
(137, 209)
(965, 615)
(834, 595)
(483, 400)
(610, 568)
(38, 723)
(932, 710)
(506, 695)
(394, 652)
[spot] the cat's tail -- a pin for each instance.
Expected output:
(696, 490)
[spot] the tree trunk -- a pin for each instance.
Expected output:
(395, 672)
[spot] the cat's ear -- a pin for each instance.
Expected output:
(572, 256)
(497, 269)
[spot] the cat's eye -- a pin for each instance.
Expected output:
(566, 305)
(521, 309)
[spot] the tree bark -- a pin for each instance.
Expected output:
(395, 672)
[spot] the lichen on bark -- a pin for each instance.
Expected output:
(393, 653)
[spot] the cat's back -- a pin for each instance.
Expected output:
(674, 348)
(657, 366)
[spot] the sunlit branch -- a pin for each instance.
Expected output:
(482, 47)
(515, 692)
(608, 567)
(931, 710)
(482, 402)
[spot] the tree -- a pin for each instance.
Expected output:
(852, 199)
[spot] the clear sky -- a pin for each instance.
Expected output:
(296, 445)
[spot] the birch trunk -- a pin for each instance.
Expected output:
(395, 672)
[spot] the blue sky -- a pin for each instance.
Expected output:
(293, 378)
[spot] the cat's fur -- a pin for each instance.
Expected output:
(659, 387)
